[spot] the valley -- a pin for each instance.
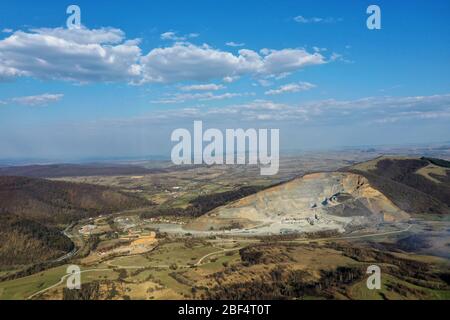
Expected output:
(224, 232)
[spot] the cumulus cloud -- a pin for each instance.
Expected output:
(83, 35)
(185, 61)
(38, 100)
(105, 55)
(283, 61)
(291, 88)
(80, 55)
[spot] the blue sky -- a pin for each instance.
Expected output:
(138, 70)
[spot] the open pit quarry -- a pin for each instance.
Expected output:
(334, 201)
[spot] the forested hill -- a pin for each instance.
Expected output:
(34, 211)
(416, 185)
(26, 242)
(58, 202)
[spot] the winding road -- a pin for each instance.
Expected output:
(74, 251)
(199, 263)
(63, 278)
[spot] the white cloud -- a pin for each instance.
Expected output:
(304, 20)
(265, 82)
(370, 110)
(82, 35)
(205, 96)
(170, 35)
(229, 79)
(414, 115)
(105, 55)
(291, 87)
(339, 57)
(203, 87)
(254, 110)
(318, 49)
(80, 55)
(183, 62)
(9, 73)
(283, 61)
(7, 30)
(301, 19)
(235, 44)
(38, 100)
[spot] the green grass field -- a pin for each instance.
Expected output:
(22, 288)
(359, 291)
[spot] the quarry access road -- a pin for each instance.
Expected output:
(352, 237)
(362, 236)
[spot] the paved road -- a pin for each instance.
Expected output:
(355, 237)
(74, 250)
(63, 278)
(199, 263)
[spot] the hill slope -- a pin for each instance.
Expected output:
(382, 190)
(26, 242)
(317, 202)
(414, 185)
(32, 211)
(56, 202)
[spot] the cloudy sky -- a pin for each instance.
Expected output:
(119, 85)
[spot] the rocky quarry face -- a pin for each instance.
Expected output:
(315, 202)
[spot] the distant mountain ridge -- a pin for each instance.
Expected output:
(74, 170)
